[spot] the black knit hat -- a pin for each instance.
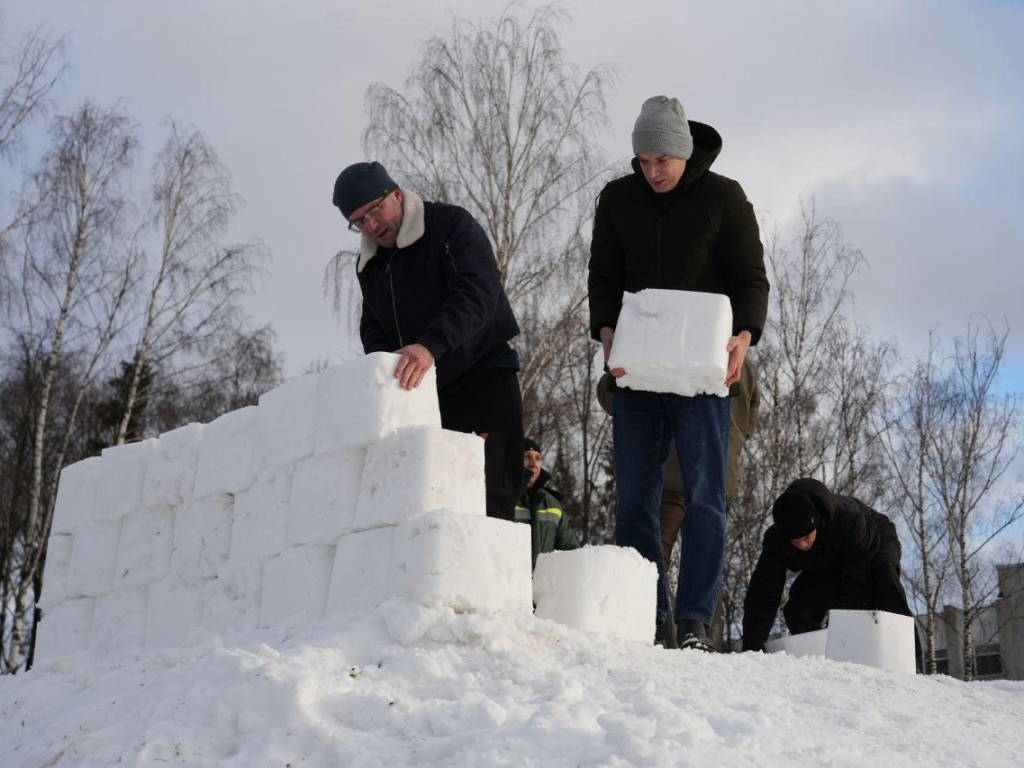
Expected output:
(795, 515)
(359, 184)
(529, 444)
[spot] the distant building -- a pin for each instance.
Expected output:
(997, 631)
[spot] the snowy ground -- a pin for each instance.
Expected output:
(411, 685)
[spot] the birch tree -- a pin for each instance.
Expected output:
(73, 282)
(973, 448)
(196, 282)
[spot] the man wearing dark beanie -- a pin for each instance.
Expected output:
(432, 294)
(675, 224)
(847, 556)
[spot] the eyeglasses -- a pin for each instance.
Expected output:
(374, 213)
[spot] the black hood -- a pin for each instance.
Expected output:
(707, 145)
(822, 497)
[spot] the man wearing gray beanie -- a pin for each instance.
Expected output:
(675, 224)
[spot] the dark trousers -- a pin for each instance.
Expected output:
(643, 426)
(673, 510)
(489, 403)
(812, 596)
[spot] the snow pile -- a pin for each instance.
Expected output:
(673, 341)
(338, 491)
(405, 684)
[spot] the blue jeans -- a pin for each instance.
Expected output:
(643, 424)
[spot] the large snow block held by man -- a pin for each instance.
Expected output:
(226, 454)
(121, 479)
(362, 571)
(325, 490)
(296, 582)
(606, 589)
(172, 470)
(470, 563)
(874, 638)
(673, 341)
(65, 628)
(804, 644)
(93, 559)
(286, 424)
(76, 496)
(361, 401)
(144, 552)
(416, 469)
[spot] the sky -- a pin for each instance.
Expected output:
(899, 120)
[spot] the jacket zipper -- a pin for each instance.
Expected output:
(394, 303)
(657, 277)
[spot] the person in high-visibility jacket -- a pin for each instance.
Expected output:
(541, 506)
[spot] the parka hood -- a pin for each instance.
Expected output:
(822, 497)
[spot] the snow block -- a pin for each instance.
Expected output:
(119, 622)
(144, 551)
(65, 628)
(874, 638)
(286, 424)
(172, 471)
(55, 572)
(226, 454)
(231, 604)
(362, 571)
(202, 537)
(325, 491)
(121, 479)
(606, 589)
(173, 610)
(93, 559)
(76, 496)
(470, 563)
(804, 644)
(416, 469)
(260, 526)
(361, 401)
(296, 582)
(673, 341)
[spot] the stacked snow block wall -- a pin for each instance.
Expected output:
(337, 492)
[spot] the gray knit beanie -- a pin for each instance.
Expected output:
(662, 127)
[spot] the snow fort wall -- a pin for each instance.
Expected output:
(337, 492)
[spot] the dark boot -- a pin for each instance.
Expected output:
(665, 633)
(692, 633)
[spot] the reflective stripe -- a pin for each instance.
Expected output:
(523, 514)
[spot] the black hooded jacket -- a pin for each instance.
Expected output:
(701, 236)
(442, 290)
(852, 538)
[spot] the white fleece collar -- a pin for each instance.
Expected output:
(411, 230)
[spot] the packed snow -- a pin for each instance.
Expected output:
(405, 684)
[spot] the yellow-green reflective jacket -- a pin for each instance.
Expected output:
(542, 509)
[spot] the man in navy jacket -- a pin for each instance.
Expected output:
(432, 293)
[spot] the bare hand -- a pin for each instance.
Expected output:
(607, 338)
(737, 349)
(416, 361)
